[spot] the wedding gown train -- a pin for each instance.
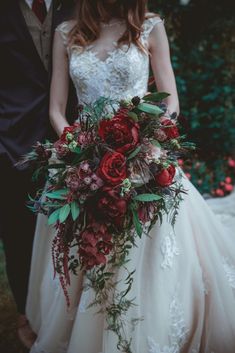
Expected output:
(184, 283)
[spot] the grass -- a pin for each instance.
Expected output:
(9, 342)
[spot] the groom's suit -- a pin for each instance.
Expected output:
(25, 73)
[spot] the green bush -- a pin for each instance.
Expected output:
(202, 36)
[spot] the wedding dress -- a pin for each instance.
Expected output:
(184, 283)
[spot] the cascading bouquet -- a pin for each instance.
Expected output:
(111, 176)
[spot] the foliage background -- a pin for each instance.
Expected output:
(202, 39)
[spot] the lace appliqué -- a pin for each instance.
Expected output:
(179, 331)
(122, 75)
(169, 250)
(148, 26)
(229, 270)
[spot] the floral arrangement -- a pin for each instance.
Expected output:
(111, 176)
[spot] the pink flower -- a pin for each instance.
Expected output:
(188, 175)
(228, 187)
(219, 192)
(94, 187)
(228, 180)
(231, 162)
(160, 135)
(180, 162)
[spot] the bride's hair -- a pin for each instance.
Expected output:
(90, 14)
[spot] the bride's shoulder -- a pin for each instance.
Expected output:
(151, 20)
(64, 28)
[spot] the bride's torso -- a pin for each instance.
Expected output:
(106, 69)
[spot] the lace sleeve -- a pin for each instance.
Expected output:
(63, 29)
(149, 25)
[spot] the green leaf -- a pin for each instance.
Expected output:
(75, 210)
(58, 194)
(147, 197)
(77, 150)
(133, 116)
(156, 143)
(54, 217)
(134, 153)
(64, 213)
(150, 109)
(136, 221)
(156, 97)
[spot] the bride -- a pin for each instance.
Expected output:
(184, 283)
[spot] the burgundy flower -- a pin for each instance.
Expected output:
(72, 180)
(61, 148)
(166, 176)
(120, 132)
(95, 243)
(170, 129)
(113, 168)
(112, 205)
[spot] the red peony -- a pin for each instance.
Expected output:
(112, 205)
(165, 176)
(113, 168)
(120, 132)
(170, 129)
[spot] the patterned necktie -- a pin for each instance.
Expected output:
(40, 10)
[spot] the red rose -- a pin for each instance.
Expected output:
(113, 168)
(165, 176)
(170, 129)
(120, 132)
(112, 205)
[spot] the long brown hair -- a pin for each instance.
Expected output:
(90, 14)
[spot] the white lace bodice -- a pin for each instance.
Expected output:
(107, 70)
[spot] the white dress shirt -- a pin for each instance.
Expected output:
(47, 2)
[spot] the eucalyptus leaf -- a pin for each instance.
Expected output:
(54, 217)
(64, 213)
(150, 109)
(57, 194)
(134, 153)
(137, 224)
(156, 143)
(133, 116)
(156, 97)
(75, 210)
(147, 197)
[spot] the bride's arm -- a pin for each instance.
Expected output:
(161, 66)
(59, 86)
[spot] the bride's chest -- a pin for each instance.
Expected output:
(123, 64)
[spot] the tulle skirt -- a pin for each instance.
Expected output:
(184, 290)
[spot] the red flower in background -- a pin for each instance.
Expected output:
(113, 168)
(166, 176)
(120, 132)
(170, 129)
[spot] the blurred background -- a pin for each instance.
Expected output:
(202, 39)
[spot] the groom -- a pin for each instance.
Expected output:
(26, 33)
